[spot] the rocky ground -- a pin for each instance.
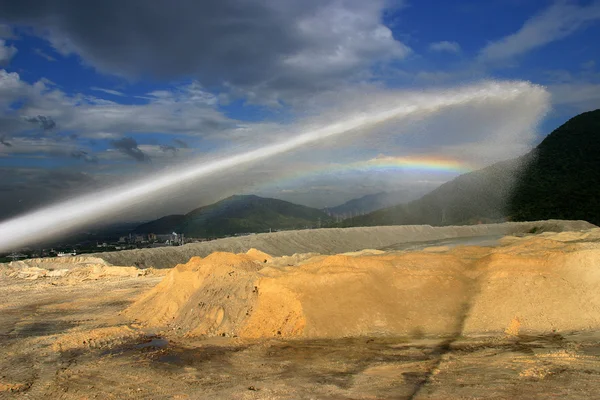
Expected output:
(517, 317)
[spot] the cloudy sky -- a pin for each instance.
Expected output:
(93, 95)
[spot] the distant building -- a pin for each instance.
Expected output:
(163, 238)
(17, 256)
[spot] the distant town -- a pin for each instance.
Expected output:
(130, 241)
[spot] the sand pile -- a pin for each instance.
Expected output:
(210, 296)
(82, 273)
(329, 241)
(538, 285)
(342, 296)
(527, 285)
(75, 270)
(55, 263)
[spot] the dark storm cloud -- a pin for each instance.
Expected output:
(106, 31)
(129, 146)
(6, 32)
(166, 148)
(253, 44)
(4, 141)
(84, 155)
(45, 122)
(30, 188)
(181, 143)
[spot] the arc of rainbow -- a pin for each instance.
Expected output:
(378, 165)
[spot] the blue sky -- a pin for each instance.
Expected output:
(90, 96)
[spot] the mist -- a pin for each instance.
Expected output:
(63, 217)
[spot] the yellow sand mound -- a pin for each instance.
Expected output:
(259, 255)
(227, 294)
(526, 285)
(209, 296)
(543, 284)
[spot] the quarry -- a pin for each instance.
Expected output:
(401, 312)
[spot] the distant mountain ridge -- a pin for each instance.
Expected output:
(478, 196)
(238, 214)
(560, 179)
(368, 203)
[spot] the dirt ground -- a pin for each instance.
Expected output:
(67, 336)
(68, 342)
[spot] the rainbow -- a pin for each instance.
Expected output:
(411, 163)
(380, 164)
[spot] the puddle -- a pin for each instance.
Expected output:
(483, 241)
(153, 343)
(42, 328)
(183, 356)
(149, 344)
(591, 351)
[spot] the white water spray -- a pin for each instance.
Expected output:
(61, 218)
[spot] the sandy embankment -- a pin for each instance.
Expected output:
(537, 284)
(329, 241)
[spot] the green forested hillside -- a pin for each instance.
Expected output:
(478, 196)
(563, 179)
(238, 214)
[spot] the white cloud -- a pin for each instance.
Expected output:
(341, 39)
(589, 65)
(581, 96)
(6, 52)
(186, 110)
(43, 54)
(435, 76)
(558, 21)
(11, 88)
(450, 47)
(45, 146)
(109, 91)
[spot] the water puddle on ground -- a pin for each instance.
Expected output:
(483, 241)
(153, 343)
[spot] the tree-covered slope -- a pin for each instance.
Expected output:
(479, 196)
(238, 214)
(563, 179)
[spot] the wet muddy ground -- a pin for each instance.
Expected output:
(482, 240)
(68, 341)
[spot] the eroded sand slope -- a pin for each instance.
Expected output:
(537, 284)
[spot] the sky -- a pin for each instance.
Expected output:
(97, 95)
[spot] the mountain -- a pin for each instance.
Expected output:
(563, 179)
(559, 179)
(238, 214)
(162, 225)
(478, 196)
(369, 203)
